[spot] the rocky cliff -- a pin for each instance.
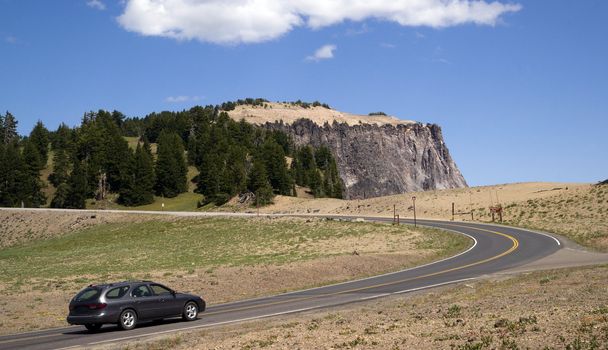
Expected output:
(376, 158)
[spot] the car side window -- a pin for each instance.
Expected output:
(141, 291)
(117, 293)
(160, 290)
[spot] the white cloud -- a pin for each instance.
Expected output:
(96, 4)
(323, 53)
(251, 21)
(182, 99)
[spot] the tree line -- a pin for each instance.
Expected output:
(94, 160)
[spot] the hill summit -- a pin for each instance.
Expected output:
(377, 155)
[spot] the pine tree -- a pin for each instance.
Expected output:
(171, 169)
(9, 129)
(40, 138)
(139, 189)
(258, 183)
(1, 128)
(147, 147)
(11, 175)
(61, 168)
(62, 138)
(31, 190)
(76, 187)
(276, 167)
(60, 200)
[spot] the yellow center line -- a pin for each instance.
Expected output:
(509, 251)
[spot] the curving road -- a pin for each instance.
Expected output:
(495, 248)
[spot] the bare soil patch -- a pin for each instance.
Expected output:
(273, 112)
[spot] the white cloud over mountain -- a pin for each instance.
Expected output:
(252, 21)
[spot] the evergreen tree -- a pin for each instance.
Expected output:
(258, 183)
(76, 187)
(117, 154)
(61, 168)
(9, 129)
(139, 189)
(147, 147)
(31, 190)
(144, 176)
(276, 167)
(315, 182)
(1, 129)
(11, 175)
(171, 169)
(40, 138)
(61, 200)
(62, 138)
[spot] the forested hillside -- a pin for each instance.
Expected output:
(94, 160)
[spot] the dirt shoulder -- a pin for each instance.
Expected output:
(553, 309)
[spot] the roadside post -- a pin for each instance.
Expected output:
(452, 211)
(414, 202)
(394, 214)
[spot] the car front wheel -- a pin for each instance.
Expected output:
(127, 320)
(190, 311)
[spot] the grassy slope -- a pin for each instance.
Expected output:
(581, 215)
(194, 243)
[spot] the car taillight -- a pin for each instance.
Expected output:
(97, 306)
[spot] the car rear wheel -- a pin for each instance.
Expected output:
(190, 311)
(127, 319)
(93, 326)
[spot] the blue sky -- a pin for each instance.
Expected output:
(521, 95)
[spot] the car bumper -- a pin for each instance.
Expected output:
(88, 319)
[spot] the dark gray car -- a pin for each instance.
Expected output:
(127, 303)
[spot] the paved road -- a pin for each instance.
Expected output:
(495, 249)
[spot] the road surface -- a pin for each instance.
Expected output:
(495, 248)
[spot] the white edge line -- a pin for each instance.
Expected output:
(508, 226)
(273, 314)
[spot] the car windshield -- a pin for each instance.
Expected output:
(88, 294)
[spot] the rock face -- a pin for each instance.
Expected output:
(378, 160)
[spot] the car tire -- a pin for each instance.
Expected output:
(127, 319)
(93, 327)
(190, 311)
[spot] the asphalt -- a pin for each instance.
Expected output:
(495, 249)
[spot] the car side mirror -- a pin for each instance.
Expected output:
(173, 292)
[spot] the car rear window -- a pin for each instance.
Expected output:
(116, 293)
(88, 294)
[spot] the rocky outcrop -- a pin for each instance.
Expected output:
(378, 160)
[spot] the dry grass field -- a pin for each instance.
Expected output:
(50, 256)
